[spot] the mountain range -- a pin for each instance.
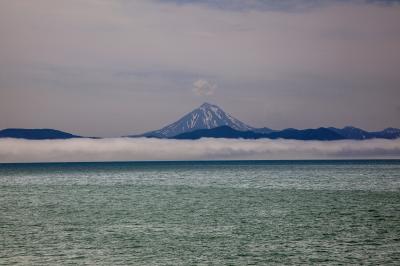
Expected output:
(211, 121)
(321, 133)
(227, 132)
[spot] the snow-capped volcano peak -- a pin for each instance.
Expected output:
(204, 117)
(208, 105)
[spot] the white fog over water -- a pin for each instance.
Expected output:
(137, 149)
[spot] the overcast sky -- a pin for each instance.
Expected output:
(111, 68)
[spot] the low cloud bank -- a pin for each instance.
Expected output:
(131, 149)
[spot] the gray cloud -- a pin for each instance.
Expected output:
(204, 87)
(121, 149)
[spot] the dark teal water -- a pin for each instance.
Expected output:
(185, 213)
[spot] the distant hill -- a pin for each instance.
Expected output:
(351, 132)
(38, 134)
(227, 132)
(388, 133)
(360, 134)
(264, 130)
(306, 134)
(220, 132)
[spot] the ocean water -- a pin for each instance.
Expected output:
(194, 213)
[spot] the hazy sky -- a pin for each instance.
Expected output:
(110, 68)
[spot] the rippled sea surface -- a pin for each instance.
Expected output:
(185, 213)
